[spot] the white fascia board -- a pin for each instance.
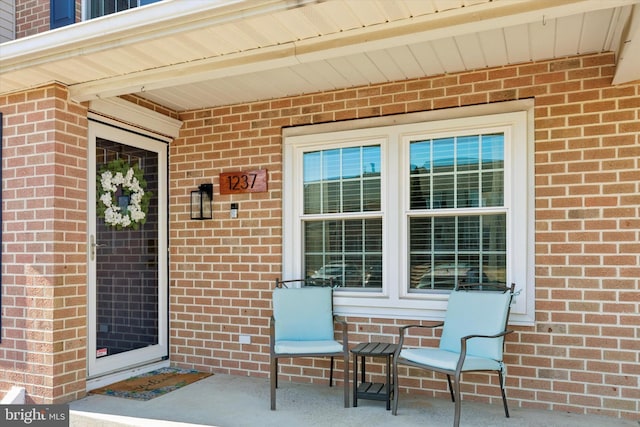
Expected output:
(128, 27)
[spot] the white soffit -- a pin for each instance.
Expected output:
(190, 55)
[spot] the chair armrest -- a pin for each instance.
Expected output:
(403, 330)
(463, 345)
(501, 334)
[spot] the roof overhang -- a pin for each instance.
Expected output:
(191, 55)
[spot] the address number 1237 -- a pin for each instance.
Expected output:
(243, 182)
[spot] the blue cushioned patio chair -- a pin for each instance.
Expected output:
(302, 325)
(472, 340)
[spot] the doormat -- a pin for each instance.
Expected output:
(152, 384)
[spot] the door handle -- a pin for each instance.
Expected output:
(94, 245)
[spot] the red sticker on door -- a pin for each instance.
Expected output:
(101, 352)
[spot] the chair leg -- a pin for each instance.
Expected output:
(504, 396)
(274, 381)
(458, 401)
(331, 373)
(394, 410)
(453, 399)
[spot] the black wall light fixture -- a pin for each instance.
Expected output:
(201, 202)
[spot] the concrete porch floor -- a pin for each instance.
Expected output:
(233, 401)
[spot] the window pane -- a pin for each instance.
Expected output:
(444, 251)
(333, 237)
(371, 174)
(468, 190)
(123, 5)
(342, 180)
(351, 163)
(345, 253)
(314, 234)
(371, 195)
(330, 177)
(311, 167)
(420, 192)
(494, 267)
(312, 198)
(469, 233)
(312, 179)
(354, 231)
(420, 157)
(371, 160)
(444, 233)
(493, 151)
(457, 173)
(493, 188)
(99, 8)
(494, 233)
(468, 153)
(373, 236)
(331, 165)
(331, 197)
(443, 191)
(351, 196)
(420, 181)
(443, 158)
(493, 170)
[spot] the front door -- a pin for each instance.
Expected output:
(127, 289)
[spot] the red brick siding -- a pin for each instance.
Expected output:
(582, 356)
(44, 242)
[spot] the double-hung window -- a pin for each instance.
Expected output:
(457, 217)
(393, 215)
(342, 216)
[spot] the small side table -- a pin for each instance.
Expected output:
(372, 391)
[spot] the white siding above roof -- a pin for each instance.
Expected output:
(7, 20)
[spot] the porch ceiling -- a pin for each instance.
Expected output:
(191, 55)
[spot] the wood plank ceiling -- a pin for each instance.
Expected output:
(325, 45)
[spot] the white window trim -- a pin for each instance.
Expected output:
(514, 117)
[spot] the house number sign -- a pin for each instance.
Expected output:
(243, 182)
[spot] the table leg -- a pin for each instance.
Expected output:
(355, 381)
(388, 385)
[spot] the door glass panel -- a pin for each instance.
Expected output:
(127, 310)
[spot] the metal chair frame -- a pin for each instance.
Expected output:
(454, 386)
(274, 357)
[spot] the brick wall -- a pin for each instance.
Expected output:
(44, 196)
(582, 355)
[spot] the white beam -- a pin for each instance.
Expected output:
(628, 69)
(128, 112)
